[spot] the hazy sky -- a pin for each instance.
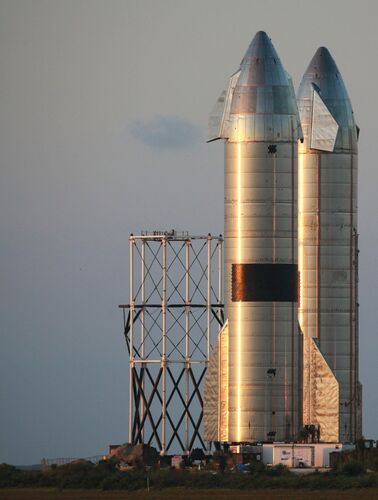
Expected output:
(103, 115)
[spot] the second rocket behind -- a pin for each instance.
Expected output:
(328, 252)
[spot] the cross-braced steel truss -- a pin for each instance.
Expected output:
(175, 311)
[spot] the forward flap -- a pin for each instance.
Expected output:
(219, 119)
(324, 127)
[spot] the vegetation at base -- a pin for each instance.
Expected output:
(355, 462)
(106, 476)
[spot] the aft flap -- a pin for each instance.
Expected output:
(215, 401)
(321, 398)
(324, 127)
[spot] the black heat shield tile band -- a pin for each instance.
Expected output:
(264, 282)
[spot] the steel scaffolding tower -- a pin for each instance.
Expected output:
(174, 313)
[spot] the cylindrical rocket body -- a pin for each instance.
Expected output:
(261, 251)
(328, 252)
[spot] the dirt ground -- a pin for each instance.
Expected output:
(182, 494)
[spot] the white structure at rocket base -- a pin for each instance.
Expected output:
(253, 388)
(328, 252)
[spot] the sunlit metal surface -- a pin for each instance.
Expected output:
(261, 228)
(324, 127)
(211, 396)
(321, 403)
(215, 412)
(328, 250)
(223, 384)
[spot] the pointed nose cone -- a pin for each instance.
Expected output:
(263, 91)
(261, 47)
(323, 72)
(261, 64)
(323, 76)
(322, 63)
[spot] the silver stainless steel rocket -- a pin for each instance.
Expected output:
(252, 388)
(328, 252)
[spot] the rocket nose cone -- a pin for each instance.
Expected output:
(262, 88)
(322, 52)
(261, 36)
(261, 47)
(322, 75)
(322, 63)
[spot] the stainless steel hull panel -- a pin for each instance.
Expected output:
(266, 331)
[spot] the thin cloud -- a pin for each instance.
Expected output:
(166, 132)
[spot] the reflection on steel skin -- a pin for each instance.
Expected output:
(239, 318)
(258, 118)
(328, 241)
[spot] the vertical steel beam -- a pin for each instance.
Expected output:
(208, 295)
(142, 329)
(220, 278)
(131, 364)
(357, 401)
(219, 301)
(187, 334)
(164, 347)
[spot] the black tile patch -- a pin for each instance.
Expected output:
(264, 283)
